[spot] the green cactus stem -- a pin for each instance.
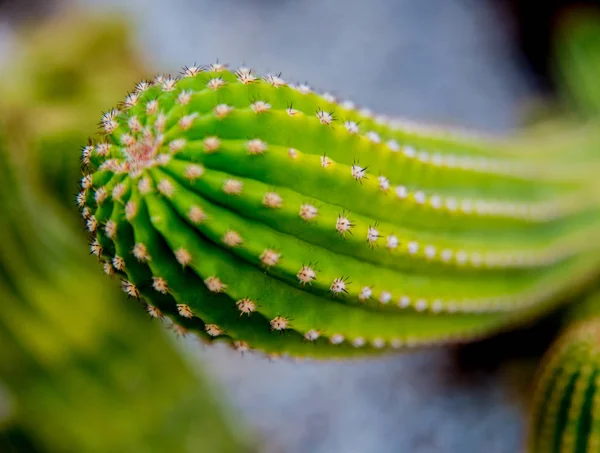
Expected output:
(565, 414)
(275, 218)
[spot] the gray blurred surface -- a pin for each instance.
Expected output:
(438, 60)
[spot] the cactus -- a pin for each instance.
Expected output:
(565, 415)
(565, 409)
(578, 59)
(14, 440)
(86, 371)
(270, 217)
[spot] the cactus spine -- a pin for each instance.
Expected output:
(242, 205)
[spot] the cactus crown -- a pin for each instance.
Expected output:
(263, 214)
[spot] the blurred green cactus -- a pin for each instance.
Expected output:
(242, 205)
(577, 59)
(86, 371)
(60, 76)
(565, 415)
(565, 411)
(14, 440)
(75, 356)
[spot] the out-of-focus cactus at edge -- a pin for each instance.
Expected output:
(14, 440)
(565, 414)
(86, 371)
(59, 77)
(578, 59)
(275, 218)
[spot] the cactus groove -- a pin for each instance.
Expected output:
(271, 217)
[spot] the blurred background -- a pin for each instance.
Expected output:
(482, 64)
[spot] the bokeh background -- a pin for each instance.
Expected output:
(475, 63)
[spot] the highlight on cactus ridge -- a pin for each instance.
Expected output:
(271, 217)
(565, 414)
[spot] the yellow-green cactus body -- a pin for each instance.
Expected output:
(565, 416)
(86, 372)
(248, 206)
(64, 70)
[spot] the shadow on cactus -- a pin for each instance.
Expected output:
(265, 215)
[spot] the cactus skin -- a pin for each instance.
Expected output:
(565, 415)
(243, 206)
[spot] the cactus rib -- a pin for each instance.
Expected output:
(247, 205)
